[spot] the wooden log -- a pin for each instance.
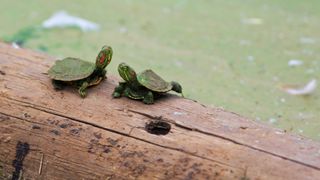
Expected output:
(48, 134)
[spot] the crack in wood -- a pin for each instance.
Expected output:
(30, 104)
(222, 137)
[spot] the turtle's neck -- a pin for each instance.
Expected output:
(134, 83)
(98, 71)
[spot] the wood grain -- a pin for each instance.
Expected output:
(67, 137)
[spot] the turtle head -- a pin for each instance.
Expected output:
(176, 87)
(104, 57)
(126, 72)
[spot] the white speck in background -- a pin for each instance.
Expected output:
(272, 120)
(307, 40)
(310, 71)
(123, 30)
(307, 52)
(166, 10)
(244, 42)
(275, 78)
(295, 62)
(178, 63)
(309, 88)
(62, 19)
(250, 58)
(252, 21)
(300, 114)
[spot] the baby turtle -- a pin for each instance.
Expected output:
(145, 85)
(80, 73)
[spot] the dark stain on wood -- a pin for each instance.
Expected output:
(55, 132)
(112, 141)
(26, 115)
(64, 125)
(36, 127)
(75, 131)
(22, 150)
(97, 135)
(158, 127)
(2, 72)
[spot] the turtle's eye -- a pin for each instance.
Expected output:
(132, 73)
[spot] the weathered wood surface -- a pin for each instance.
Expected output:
(48, 134)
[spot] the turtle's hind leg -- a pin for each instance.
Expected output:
(58, 85)
(118, 91)
(82, 89)
(148, 98)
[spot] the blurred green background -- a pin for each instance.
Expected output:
(232, 54)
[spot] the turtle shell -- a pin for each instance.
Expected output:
(71, 69)
(152, 81)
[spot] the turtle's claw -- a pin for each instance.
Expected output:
(116, 95)
(148, 98)
(83, 94)
(147, 101)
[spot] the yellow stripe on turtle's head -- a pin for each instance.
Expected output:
(126, 72)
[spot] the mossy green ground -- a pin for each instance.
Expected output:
(232, 54)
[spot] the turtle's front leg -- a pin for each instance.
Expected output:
(58, 85)
(118, 91)
(148, 98)
(82, 89)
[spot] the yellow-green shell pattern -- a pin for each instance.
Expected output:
(152, 81)
(71, 69)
